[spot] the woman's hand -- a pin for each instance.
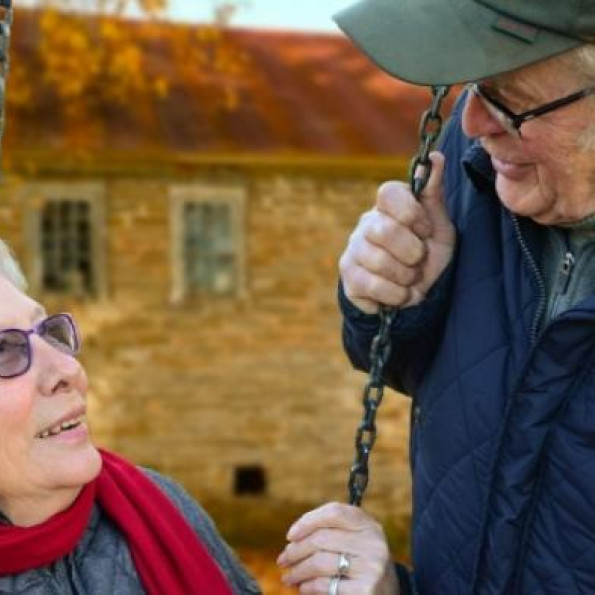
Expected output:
(316, 542)
(399, 248)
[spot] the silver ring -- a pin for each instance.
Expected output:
(344, 565)
(333, 588)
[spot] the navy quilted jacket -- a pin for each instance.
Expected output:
(503, 422)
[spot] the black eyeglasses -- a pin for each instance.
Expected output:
(512, 122)
(58, 330)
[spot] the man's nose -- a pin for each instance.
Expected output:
(57, 370)
(477, 120)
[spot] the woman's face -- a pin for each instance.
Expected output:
(52, 391)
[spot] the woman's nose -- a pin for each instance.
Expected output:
(477, 120)
(58, 371)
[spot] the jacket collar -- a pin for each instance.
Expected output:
(478, 167)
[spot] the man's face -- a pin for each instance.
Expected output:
(53, 389)
(547, 174)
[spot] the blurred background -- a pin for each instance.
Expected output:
(183, 177)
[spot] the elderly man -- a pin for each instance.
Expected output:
(493, 272)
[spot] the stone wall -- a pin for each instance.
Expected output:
(200, 388)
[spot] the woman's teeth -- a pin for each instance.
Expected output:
(66, 425)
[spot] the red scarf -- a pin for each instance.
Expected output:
(167, 553)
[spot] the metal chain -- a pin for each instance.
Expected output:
(430, 128)
(5, 28)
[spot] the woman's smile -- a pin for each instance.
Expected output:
(73, 431)
(64, 424)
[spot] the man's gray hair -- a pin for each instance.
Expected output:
(584, 57)
(10, 269)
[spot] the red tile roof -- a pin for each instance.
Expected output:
(294, 92)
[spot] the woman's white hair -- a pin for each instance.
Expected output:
(10, 269)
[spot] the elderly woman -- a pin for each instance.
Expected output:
(75, 519)
(493, 272)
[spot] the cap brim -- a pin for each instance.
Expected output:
(442, 42)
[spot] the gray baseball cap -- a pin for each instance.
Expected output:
(434, 42)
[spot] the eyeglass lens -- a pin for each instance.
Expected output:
(14, 353)
(15, 349)
(495, 112)
(60, 332)
(502, 118)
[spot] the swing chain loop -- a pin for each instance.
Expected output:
(429, 132)
(430, 129)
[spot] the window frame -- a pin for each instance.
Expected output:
(36, 195)
(233, 195)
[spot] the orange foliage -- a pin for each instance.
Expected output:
(21, 88)
(70, 61)
(87, 59)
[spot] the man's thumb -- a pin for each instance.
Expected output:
(433, 188)
(432, 198)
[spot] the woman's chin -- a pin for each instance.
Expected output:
(74, 468)
(84, 465)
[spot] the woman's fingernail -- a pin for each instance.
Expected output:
(292, 532)
(281, 560)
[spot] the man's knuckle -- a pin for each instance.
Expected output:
(387, 190)
(375, 230)
(345, 263)
(401, 295)
(407, 275)
(375, 287)
(408, 213)
(415, 253)
(378, 261)
(368, 284)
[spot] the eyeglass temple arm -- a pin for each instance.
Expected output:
(538, 111)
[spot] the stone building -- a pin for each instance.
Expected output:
(197, 244)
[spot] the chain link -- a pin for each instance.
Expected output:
(429, 131)
(430, 128)
(5, 29)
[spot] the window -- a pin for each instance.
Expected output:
(209, 251)
(207, 241)
(249, 480)
(66, 247)
(65, 227)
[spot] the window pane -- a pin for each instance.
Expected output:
(209, 248)
(66, 246)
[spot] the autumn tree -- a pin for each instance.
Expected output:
(87, 51)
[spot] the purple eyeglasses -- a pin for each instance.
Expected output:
(58, 330)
